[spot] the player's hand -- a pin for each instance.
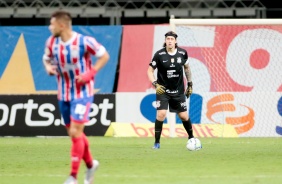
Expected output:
(86, 77)
(51, 69)
(160, 89)
(189, 89)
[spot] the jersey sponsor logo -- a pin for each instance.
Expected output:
(171, 92)
(172, 65)
(161, 53)
(170, 74)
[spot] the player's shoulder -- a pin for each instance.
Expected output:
(50, 40)
(181, 51)
(88, 37)
(80, 36)
(162, 51)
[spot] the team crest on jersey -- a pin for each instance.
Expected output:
(172, 60)
(178, 60)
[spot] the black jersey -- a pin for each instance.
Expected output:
(170, 69)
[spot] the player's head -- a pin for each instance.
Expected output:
(60, 20)
(170, 40)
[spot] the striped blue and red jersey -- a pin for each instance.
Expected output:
(72, 58)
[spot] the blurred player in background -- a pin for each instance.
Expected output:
(68, 56)
(169, 85)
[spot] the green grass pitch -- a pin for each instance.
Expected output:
(131, 160)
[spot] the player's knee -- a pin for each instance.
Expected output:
(161, 116)
(184, 118)
(73, 133)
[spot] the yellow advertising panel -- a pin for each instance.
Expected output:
(147, 130)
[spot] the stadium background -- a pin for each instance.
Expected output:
(131, 31)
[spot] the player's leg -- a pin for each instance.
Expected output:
(162, 105)
(87, 156)
(158, 127)
(80, 115)
(178, 104)
(65, 109)
(77, 148)
(92, 165)
(186, 123)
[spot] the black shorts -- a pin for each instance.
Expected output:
(177, 103)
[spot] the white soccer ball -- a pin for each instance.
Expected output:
(194, 144)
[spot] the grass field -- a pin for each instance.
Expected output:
(131, 160)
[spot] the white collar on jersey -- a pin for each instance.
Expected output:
(73, 36)
(173, 53)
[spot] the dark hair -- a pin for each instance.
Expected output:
(171, 33)
(61, 14)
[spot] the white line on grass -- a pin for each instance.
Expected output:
(143, 176)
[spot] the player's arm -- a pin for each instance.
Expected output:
(101, 61)
(47, 58)
(188, 74)
(150, 72)
(102, 55)
(50, 69)
(89, 75)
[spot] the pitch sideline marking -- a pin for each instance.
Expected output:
(143, 176)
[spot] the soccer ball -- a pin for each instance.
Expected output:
(194, 144)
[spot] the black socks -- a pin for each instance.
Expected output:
(158, 130)
(188, 127)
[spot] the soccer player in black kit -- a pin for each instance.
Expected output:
(170, 62)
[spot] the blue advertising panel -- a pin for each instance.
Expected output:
(34, 42)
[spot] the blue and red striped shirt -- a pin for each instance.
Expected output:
(72, 58)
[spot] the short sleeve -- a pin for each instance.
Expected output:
(48, 49)
(153, 62)
(94, 47)
(186, 58)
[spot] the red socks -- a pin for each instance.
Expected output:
(77, 150)
(80, 150)
(87, 157)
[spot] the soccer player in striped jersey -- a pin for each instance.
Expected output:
(68, 57)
